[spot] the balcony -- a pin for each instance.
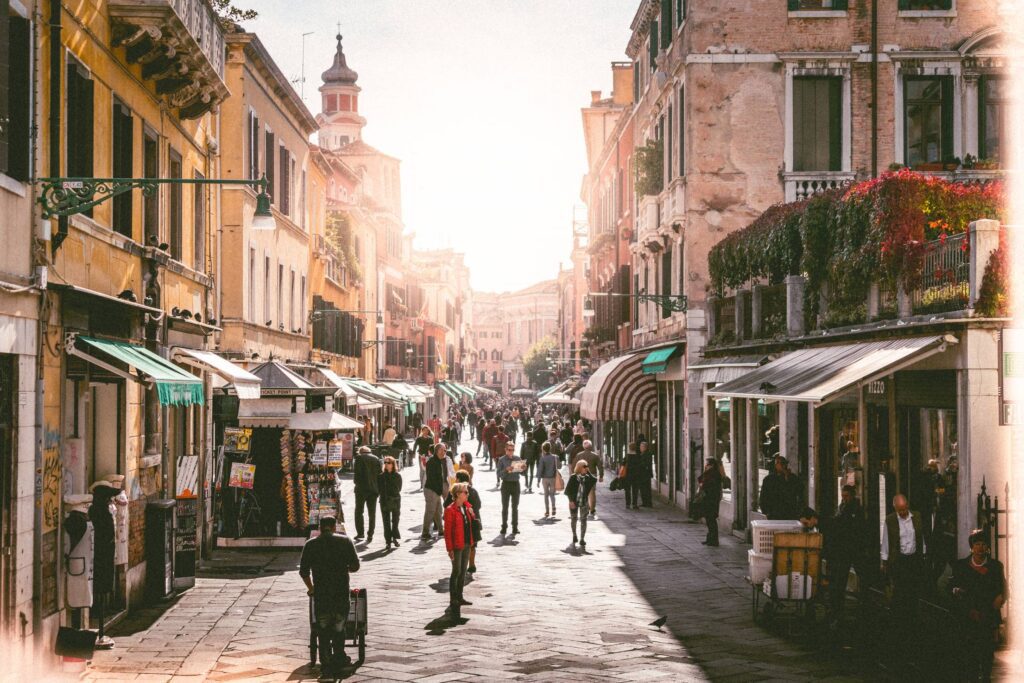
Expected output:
(180, 47)
(648, 218)
(801, 185)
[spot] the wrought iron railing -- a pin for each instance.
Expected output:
(945, 279)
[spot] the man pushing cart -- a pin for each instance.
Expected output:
(326, 563)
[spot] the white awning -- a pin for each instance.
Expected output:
(245, 384)
(619, 390)
(818, 375)
(718, 370)
(324, 421)
(406, 391)
(343, 388)
(367, 404)
(558, 397)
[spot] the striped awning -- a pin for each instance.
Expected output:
(619, 390)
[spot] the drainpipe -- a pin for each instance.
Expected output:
(874, 88)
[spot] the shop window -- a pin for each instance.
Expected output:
(769, 445)
(174, 172)
(721, 448)
(122, 140)
(928, 119)
(993, 108)
(817, 124)
(199, 225)
(15, 109)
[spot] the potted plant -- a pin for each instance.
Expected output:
(929, 166)
(986, 164)
(969, 162)
(951, 164)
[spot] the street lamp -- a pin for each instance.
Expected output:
(669, 302)
(70, 196)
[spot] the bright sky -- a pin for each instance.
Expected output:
(480, 99)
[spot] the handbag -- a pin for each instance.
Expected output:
(559, 482)
(617, 484)
(622, 472)
(697, 505)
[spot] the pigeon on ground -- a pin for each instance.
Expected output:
(659, 622)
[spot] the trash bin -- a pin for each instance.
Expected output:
(160, 548)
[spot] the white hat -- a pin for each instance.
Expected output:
(104, 483)
(116, 480)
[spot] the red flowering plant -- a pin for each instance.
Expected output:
(993, 295)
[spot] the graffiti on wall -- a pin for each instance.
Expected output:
(49, 480)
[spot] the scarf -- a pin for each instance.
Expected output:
(581, 498)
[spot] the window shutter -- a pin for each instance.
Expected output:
(840, 5)
(5, 83)
(947, 118)
(666, 23)
(653, 45)
(271, 162)
(19, 150)
(835, 137)
(636, 81)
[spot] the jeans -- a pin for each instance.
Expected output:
(389, 520)
(510, 491)
(370, 501)
(531, 468)
(432, 513)
(548, 485)
(579, 513)
(457, 580)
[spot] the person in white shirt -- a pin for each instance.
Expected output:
(902, 554)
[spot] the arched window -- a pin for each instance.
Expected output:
(483, 354)
(495, 355)
(483, 377)
(494, 378)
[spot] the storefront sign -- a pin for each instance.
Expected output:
(319, 456)
(1011, 377)
(335, 457)
(242, 475)
(237, 439)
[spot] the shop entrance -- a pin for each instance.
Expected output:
(8, 387)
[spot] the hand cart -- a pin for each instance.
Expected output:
(794, 578)
(355, 626)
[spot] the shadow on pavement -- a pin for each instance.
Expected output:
(441, 586)
(438, 626)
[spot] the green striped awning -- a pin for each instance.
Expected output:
(452, 393)
(657, 360)
(175, 386)
(471, 393)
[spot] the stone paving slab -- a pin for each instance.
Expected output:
(542, 611)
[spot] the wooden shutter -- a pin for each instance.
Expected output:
(5, 86)
(270, 161)
(123, 142)
(19, 149)
(285, 182)
(653, 45)
(666, 23)
(666, 280)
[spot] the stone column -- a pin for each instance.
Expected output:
(742, 295)
(874, 302)
(984, 239)
(904, 305)
(795, 285)
(756, 294)
(711, 311)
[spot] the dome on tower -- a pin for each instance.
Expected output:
(339, 73)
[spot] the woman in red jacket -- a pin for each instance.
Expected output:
(458, 538)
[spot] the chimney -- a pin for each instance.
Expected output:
(595, 96)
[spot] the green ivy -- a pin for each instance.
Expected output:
(648, 167)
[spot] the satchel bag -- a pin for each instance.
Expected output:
(559, 482)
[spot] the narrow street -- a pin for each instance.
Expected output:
(540, 612)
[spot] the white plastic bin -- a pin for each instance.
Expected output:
(763, 532)
(760, 566)
(793, 586)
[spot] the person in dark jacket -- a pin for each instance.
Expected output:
(459, 540)
(434, 491)
(324, 566)
(389, 486)
(530, 452)
(781, 492)
(577, 490)
(979, 591)
(647, 455)
(845, 547)
(565, 433)
(710, 492)
(464, 477)
(366, 470)
(103, 553)
(635, 473)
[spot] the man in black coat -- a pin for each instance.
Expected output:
(781, 492)
(845, 547)
(647, 458)
(324, 566)
(365, 476)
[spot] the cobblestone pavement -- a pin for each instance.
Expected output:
(541, 611)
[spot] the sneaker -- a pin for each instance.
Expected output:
(515, 532)
(395, 541)
(583, 544)
(471, 569)
(503, 530)
(425, 538)
(359, 537)
(464, 601)
(369, 539)
(575, 540)
(546, 514)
